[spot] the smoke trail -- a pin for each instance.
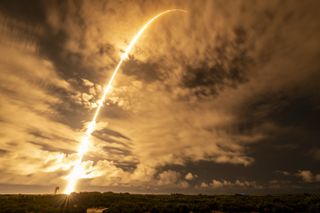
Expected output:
(77, 169)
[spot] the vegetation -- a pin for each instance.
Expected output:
(127, 203)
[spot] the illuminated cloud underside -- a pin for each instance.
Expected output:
(77, 170)
(227, 94)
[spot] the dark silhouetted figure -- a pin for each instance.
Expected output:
(56, 190)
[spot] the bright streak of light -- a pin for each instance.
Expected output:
(77, 170)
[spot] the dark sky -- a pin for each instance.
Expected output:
(223, 99)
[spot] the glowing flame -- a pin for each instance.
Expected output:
(77, 170)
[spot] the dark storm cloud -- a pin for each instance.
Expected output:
(208, 81)
(145, 71)
(33, 12)
(49, 148)
(114, 111)
(285, 109)
(3, 152)
(225, 71)
(113, 137)
(113, 133)
(117, 151)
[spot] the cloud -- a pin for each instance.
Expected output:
(181, 115)
(184, 185)
(308, 176)
(202, 87)
(169, 177)
(204, 185)
(34, 140)
(176, 101)
(218, 184)
(190, 176)
(285, 173)
(225, 183)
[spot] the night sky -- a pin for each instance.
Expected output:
(223, 99)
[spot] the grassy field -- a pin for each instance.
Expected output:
(124, 202)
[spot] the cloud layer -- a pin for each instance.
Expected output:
(203, 101)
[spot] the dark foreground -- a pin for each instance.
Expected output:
(120, 203)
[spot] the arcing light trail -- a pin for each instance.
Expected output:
(77, 169)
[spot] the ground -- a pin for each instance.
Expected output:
(125, 202)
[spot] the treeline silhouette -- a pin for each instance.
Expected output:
(174, 203)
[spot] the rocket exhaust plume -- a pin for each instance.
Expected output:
(77, 169)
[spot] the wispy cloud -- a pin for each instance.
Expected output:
(31, 136)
